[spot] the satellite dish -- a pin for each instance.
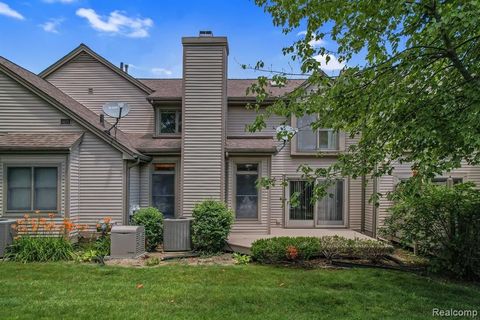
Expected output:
(116, 109)
(285, 132)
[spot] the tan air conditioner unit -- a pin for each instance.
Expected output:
(177, 234)
(127, 242)
(6, 234)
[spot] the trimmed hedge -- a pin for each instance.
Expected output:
(285, 249)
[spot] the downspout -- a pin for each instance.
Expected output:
(375, 207)
(127, 188)
(363, 208)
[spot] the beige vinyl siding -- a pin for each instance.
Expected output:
(354, 194)
(285, 165)
(134, 188)
(238, 117)
(35, 159)
(250, 226)
(101, 181)
(203, 125)
(23, 112)
(95, 166)
(84, 72)
(144, 197)
(75, 184)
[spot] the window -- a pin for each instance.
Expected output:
(32, 188)
(163, 188)
(246, 198)
(169, 121)
(309, 140)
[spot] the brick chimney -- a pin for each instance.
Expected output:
(204, 116)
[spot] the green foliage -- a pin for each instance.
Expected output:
(211, 226)
(282, 249)
(277, 249)
(102, 246)
(88, 255)
(372, 250)
(39, 249)
(415, 97)
(443, 222)
(152, 261)
(241, 258)
(152, 220)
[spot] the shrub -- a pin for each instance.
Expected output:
(444, 223)
(283, 249)
(152, 220)
(241, 258)
(280, 249)
(372, 250)
(211, 226)
(332, 247)
(153, 261)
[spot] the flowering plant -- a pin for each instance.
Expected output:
(42, 226)
(104, 226)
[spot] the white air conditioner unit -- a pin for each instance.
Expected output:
(6, 234)
(127, 242)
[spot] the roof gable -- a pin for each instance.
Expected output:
(82, 48)
(67, 105)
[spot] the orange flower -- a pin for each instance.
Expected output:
(42, 221)
(16, 238)
(14, 227)
(107, 219)
(35, 228)
(26, 216)
(51, 215)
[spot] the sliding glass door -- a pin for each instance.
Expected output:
(302, 212)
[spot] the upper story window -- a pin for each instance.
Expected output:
(168, 121)
(309, 140)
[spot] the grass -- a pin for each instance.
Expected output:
(74, 291)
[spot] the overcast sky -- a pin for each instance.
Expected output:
(145, 34)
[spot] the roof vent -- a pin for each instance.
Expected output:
(205, 33)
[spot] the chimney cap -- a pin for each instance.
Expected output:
(205, 33)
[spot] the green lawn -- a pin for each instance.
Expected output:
(71, 291)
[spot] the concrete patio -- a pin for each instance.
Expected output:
(243, 242)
